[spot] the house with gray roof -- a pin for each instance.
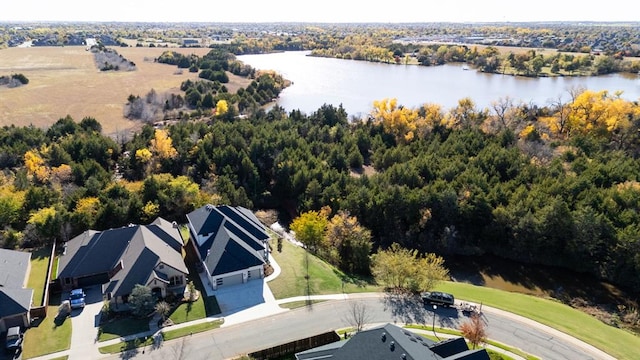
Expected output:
(118, 259)
(230, 242)
(392, 342)
(15, 298)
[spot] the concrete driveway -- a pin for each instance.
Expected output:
(84, 324)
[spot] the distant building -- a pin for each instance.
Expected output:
(393, 342)
(90, 42)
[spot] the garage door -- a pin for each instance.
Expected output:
(11, 321)
(93, 280)
(232, 280)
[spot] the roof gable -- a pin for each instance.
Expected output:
(205, 220)
(234, 258)
(15, 301)
(134, 272)
(167, 232)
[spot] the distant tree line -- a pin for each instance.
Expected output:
(109, 60)
(201, 96)
(555, 185)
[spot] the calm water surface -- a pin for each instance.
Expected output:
(356, 84)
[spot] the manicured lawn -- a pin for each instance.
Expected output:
(298, 304)
(122, 327)
(193, 329)
(323, 277)
(38, 274)
(167, 335)
(188, 311)
(126, 345)
(616, 342)
(47, 336)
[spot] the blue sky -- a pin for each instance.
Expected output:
(318, 11)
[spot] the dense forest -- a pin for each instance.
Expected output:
(554, 185)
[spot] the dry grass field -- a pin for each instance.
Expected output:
(65, 81)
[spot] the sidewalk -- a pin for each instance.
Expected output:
(239, 309)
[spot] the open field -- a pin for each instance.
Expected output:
(65, 81)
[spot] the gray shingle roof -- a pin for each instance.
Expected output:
(235, 238)
(94, 252)
(13, 268)
(144, 253)
(14, 298)
(15, 301)
(392, 342)
(140, 248)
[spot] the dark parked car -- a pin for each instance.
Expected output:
(437, 298)
(14, 339)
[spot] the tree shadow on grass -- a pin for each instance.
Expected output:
(59, 320)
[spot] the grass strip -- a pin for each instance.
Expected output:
(616, 342)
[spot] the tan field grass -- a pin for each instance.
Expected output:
(65, 81)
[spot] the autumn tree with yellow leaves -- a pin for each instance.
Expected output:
(310, 228)
(36, 166)
(399, 121)
(405, 269)
(162, 145)
(594, 113)
(222, 107)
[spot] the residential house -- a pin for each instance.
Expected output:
(15, 298)
(121, 258)
(392, 342)
(230, 242)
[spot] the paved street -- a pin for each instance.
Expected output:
(255, 321)
(243, 338)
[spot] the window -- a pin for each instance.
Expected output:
(176, 280)
(67, 281)
(249, 274)
(219, 281)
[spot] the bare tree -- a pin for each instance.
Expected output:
(162, 308)
(474, 330)
(503, 110)
(358, 315)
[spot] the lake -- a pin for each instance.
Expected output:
(356, 84)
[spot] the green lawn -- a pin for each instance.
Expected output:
(122, 327)
(616, 342)
(167, 335)
(126, 345)
(323, 277)
(47, 336)
(38, 274)
(188, 311)
(193, 329)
